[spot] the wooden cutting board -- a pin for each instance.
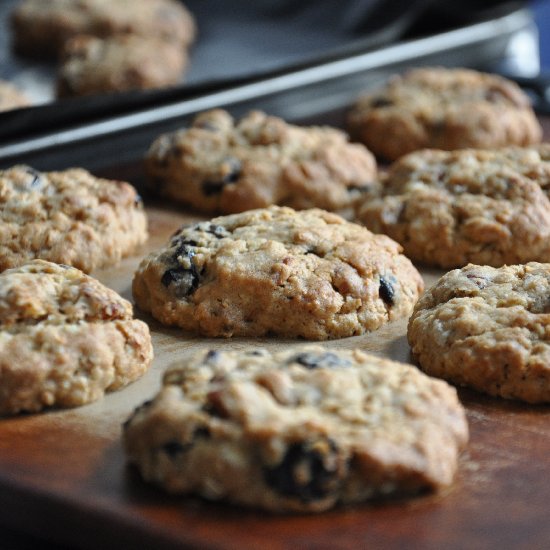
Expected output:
(63, 474)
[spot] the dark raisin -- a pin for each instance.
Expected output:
(183, 249)
(212, 355)
(186, 280)
(386, 291)
(138, 201)
(37, 180)
(214, 405)
(323, 360)
(174, 448)
(201, 433)
(377, 102)
(179, 241)
(217, 230)
(256, 352)
(210, 188)
(232, 171)
(308, 471)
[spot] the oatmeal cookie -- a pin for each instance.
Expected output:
(93, 65)
(489, 329)
(277, 271)
(450, 208)
(11, 97)
(41, 28)
(65, 339)
(68, 217)
(443, 109)
(298, 430)
(222, 165)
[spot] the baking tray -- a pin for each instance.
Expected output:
(97, 130)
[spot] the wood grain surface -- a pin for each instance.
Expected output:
(63, 475)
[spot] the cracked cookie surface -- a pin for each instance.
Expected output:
(443, 109)
(450, 208)
(222, 165)
(489, 329)
(297, 430)
(65, 339)
(68, 217)
(277, 271)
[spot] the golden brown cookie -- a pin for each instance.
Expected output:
(222, 165)
(277, 271)
(488, 329)
(298, 430)
(65, 339)
(68, 217)
(450, 208)
(443, 109)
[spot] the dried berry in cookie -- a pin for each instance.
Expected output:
(277, 271)
(270, 430)
(68, 217)
(224, 165)
(65, 339)
(443, 109)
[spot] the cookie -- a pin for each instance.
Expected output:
(11, 97)
(40, 29)
(450, 208)
(487, 328)
(68, 217)
(222, 165)
(93, 65)
(443, 109)
(65, 339)
(298, 430)
(277, 271)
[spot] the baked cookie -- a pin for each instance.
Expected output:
(279, 272)
(68, 217)
(443, 109)
(224, 165)
(450, 208)
(93, 65)
(11, 97)
(487, 328)
(298, 430)
(65, 339)
(40, 29)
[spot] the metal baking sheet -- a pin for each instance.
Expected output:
(121, 125)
